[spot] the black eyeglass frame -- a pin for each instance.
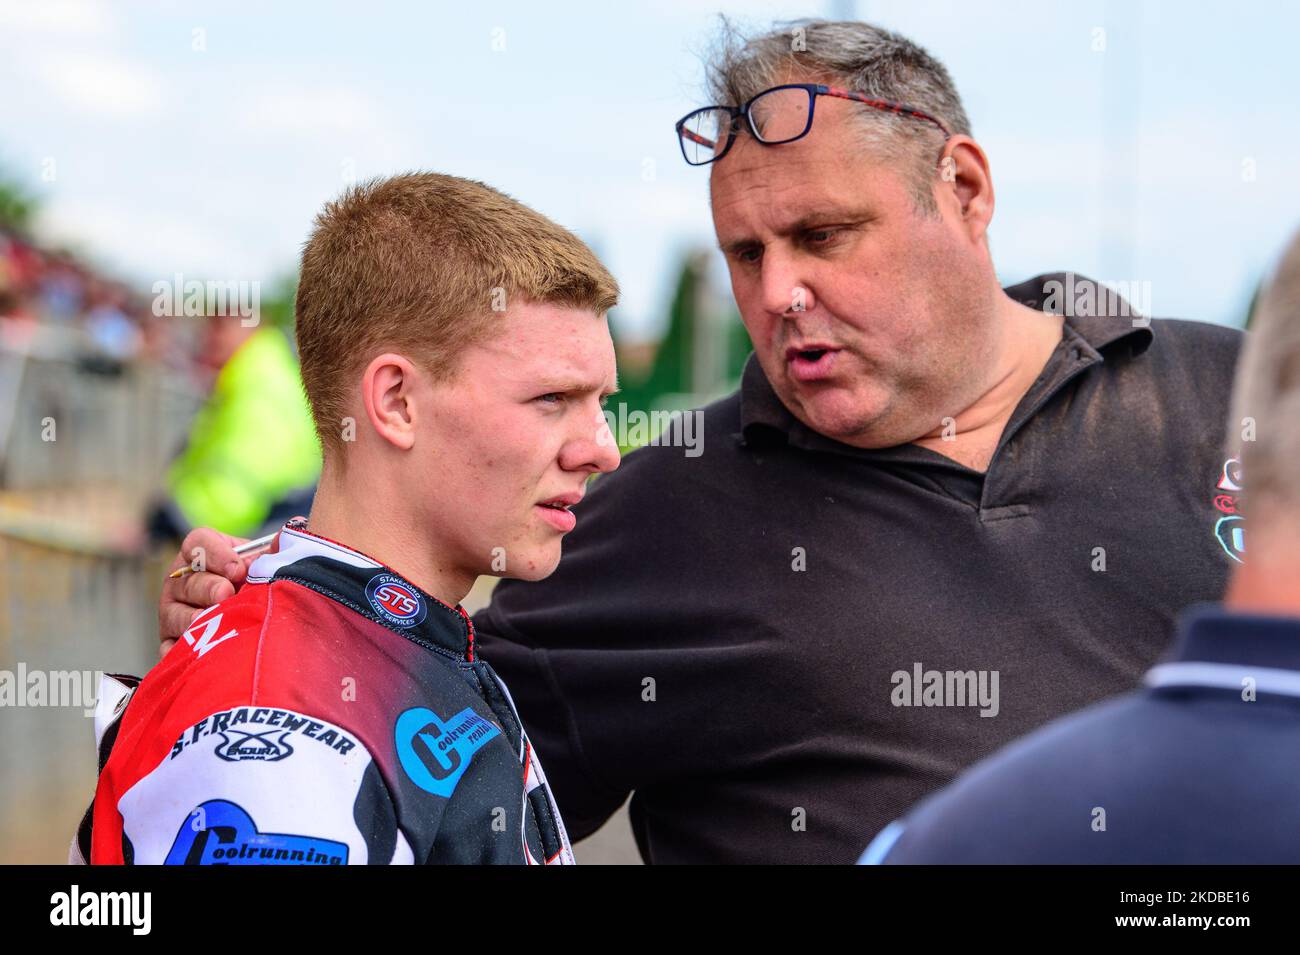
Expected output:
(813, 90)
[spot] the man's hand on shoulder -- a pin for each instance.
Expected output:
(223, 573)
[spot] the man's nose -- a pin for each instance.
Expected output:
(606, 457)
(785, 293)
(593, 448)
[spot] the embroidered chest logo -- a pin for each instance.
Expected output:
(1230, 529)
(395, 600)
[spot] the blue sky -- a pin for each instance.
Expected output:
(1167, 157)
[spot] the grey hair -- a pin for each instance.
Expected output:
(1267, 391)
(859, 57)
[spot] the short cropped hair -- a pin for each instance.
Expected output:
(419, 264)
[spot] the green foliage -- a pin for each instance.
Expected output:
(277, 302)
(17, 206)
(671, 371)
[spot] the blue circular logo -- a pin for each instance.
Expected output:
(395, 600)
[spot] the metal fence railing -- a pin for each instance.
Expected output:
(82, 449)
(66, 617)
(66, 421)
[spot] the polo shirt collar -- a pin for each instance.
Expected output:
(1218, 648)
(1097, 320)
(1101, 316)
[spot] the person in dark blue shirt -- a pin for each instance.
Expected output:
(1199, 765)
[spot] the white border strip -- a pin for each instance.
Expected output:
(1224, 676)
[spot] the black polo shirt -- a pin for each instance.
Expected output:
(781, 644)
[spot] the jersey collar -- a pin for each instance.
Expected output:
(365, 586)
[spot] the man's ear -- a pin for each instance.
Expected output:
(965, 183)
(388, 388)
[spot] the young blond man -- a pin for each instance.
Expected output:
(456, 356)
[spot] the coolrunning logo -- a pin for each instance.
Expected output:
(26, 687)
(194, 299)
(435, 753)
(1125, 298)
(636, 428)
(102, 908)
(946, 688)
(220, 832)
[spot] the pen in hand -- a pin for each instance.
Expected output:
(247, 547)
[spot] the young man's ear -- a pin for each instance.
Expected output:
(388, 391)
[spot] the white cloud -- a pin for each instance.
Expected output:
(313, 122)
(327, 111)
(142, 242)
(101, 84)
(55, 17)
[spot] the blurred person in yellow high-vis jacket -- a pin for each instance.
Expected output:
(253, 457)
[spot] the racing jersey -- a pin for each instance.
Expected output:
(330, 712)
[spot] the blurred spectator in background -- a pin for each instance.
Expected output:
(20, 267)
(113, 335)
(62, 288)
(252, 457)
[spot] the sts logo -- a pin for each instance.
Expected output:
(395, 600)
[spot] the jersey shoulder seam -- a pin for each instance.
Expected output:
(257, 652)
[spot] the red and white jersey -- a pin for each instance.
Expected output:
(330, 712)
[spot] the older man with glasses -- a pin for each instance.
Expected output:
(936, 514)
